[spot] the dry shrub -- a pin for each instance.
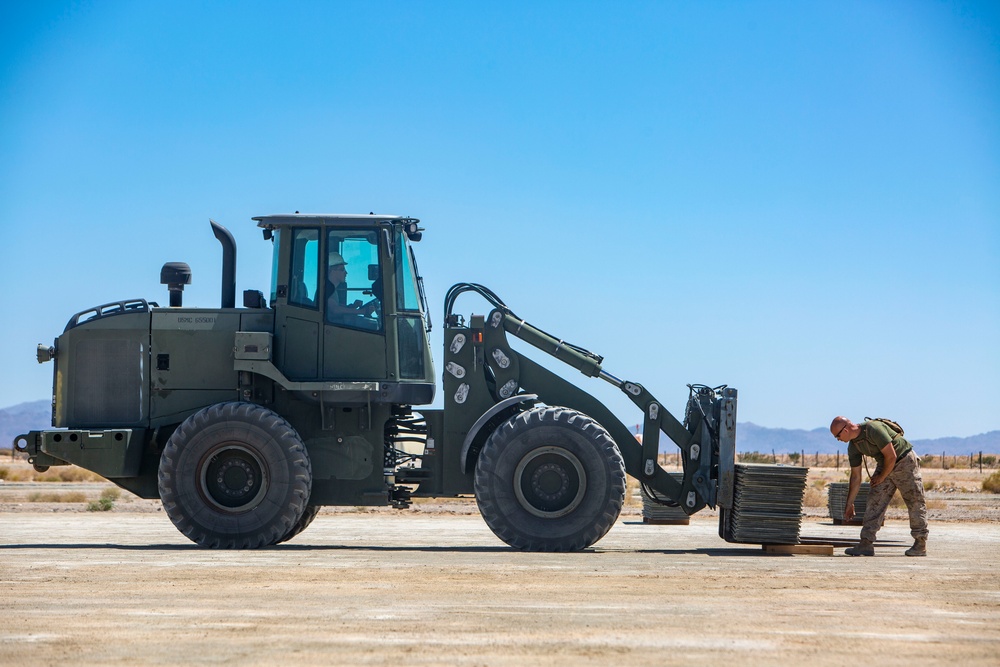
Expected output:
(814, 497)
(101, 505)
(631, 490)
(68, 473)
(75, 474)
(55, 497)
(106, 502)
(19, 475)
(992, 483)
(929, 485)
(936, 504)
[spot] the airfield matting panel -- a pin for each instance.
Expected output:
(837, 500)
(767, 504)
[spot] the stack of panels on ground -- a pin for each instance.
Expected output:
(657, 512)
(767, 504)
(837, 500)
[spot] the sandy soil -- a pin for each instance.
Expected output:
(433, 586)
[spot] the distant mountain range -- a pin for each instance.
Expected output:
(22, 418)
(753, 438)
(36, 415)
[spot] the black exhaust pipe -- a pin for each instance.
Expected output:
(228, 264)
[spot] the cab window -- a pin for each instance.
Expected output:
(353, 292)
(303, 285)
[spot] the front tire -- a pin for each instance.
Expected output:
(550, 479)
(307, 518)
(235, 476)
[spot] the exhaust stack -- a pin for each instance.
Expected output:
(228, 264)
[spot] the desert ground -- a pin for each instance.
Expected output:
(431, 585)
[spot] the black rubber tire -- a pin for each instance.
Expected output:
(303, 523)
(235, 476)
(550, 479)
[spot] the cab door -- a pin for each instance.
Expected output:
(299, 320)
(354, 343)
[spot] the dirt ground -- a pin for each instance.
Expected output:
(433, 586)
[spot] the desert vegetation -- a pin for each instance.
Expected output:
(992, 483)
(18, 471)
(106, 501)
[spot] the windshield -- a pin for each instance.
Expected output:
(409, 285)
(407, 296)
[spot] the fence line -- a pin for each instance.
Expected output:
(974, 460)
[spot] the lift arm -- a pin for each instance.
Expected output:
(706, 438)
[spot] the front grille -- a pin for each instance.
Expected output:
(107, 381)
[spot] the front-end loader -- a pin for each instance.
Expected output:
(245, 421)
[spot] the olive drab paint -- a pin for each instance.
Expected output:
(244, 420)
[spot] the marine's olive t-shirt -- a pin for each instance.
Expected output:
(873, 437)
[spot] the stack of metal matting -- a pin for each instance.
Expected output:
(658, 512)
(767, 504)
(837, 500)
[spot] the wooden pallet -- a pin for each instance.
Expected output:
(666, 522)
(799, 549)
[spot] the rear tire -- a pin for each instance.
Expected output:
(235, 476)
(550, 479)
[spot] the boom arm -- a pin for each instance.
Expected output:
(706, 438)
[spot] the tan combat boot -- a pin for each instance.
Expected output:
(864, 548)
(919, 547)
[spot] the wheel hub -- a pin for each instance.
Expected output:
(550, 482)
(233, 479)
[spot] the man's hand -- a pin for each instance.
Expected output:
(849, 512)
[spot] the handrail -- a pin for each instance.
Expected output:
(108, 310)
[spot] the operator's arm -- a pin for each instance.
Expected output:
(852, 492)
(889, 462)
(334, 307)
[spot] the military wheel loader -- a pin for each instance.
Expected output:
(245, 421)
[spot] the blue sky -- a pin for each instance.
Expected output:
(801, 200)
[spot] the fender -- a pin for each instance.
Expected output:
(485, 417)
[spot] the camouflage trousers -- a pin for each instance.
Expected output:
(905, 476)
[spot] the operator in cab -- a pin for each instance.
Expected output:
(337, 311)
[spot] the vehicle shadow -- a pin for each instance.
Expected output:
(278, 547)
(728, 551)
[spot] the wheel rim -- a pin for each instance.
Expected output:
(233, 478)
(550, 482)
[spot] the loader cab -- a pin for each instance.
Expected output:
(347, 298)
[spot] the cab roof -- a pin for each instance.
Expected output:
(327, 219)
